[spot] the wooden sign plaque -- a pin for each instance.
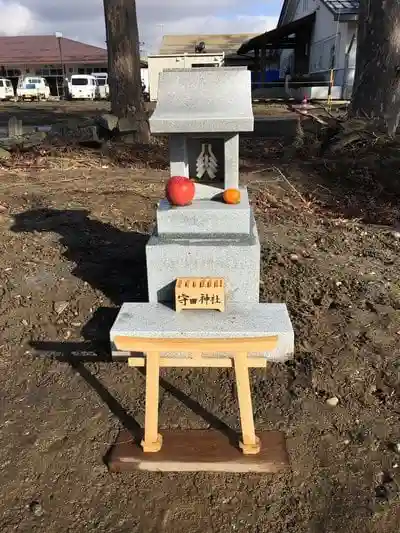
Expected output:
(200, 293)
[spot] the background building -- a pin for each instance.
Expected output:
(315, 38)
(204, 50)
(52, 57)
(333, 40)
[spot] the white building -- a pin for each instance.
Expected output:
(190, 51)
(333, 41)
(158, 63)
(316, 37)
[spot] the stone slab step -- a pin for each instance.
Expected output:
(239, 320)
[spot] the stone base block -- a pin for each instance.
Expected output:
(205, 216)
(236, 258)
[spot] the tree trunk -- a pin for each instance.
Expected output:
(124, 65)
(376, 91)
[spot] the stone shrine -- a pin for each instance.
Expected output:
(211, 250)
(202, 111)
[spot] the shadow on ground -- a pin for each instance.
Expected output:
(109, 259)
(112, 261)
(76, 354)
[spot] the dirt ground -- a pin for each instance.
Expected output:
(72, 245)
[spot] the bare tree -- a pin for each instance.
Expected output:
(124, 65)
(376, 92)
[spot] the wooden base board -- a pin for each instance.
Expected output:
(198, 451)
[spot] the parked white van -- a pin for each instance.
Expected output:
(6, 89)
(83, 87)
(33, 87)
(102, 80)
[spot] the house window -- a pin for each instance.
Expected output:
(13, 73)
(43, 72)
(324, 54)
(81, 71)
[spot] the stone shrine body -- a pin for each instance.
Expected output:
(203, 110)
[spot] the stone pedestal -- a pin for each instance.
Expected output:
(207, 239)
(236, 258)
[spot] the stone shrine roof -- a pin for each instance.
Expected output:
(203, 100)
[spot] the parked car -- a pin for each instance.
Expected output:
(104, 88)
(83, 87)
(6, 89)
(33, 88)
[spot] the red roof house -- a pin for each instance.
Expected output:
(44, 49)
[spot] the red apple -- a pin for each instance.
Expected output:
(180, 190)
